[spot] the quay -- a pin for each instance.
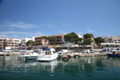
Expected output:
(74, 54)
(83, 54)
(9, 54)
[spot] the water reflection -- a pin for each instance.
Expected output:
(83, 67)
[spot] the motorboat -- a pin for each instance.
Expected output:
(49, 54)
(31, 55)
(114, 53)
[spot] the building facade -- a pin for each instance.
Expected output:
(116, 39)
(40, 41)
(59, 39)
(111, 43)
(107, 39)
(17, 43)
(1, 43)
(24, 41)
(9, 43)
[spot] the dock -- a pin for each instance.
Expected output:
(9, 54)
(83, 54)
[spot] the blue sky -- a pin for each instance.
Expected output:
(27, 18)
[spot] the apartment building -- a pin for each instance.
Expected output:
(111, 43)
(40, 41)
(116, 39)
(17, 42)
(24, 41)
(9, 43)
(59, 39)
(1, 43)
(107, 39)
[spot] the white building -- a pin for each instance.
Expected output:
(110, 46)
(111, 43)
(17, 42)
(25, 40)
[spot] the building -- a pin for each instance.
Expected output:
(110, 46)
(107, 39)
(43, 42)
(116, 39)
(24, 41)
(59, 39)
(40, 41)
(1, 43)
(111, 43)
(9, 43)
(17, 43)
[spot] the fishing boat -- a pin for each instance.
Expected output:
(49, 54)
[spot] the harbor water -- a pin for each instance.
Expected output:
(83, 68)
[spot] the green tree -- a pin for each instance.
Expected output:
(51, 39)
(72, 37)
(87, 36)
(98, 41)
(31, 43)
(87, 39)
(44, 37)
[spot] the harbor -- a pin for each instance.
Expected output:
(59, 39)
(90, 68)
(71, 54)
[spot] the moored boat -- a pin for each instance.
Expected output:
(31, 55)
(114, 53)
(48, 54)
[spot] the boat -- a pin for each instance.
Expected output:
(49, 54)
(31, 55)
(114, 53)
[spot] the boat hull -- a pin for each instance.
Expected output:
(113, 55)
(48, 58)
(29, 57)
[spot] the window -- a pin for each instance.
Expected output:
(54, 52)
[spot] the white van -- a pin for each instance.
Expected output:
(63, 51)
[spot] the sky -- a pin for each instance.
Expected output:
(28, 18)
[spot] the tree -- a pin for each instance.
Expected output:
(87, 36)
(31, 43)
(72, 37)
(98, 41)
(44, 37)
(87, 39)
(51, 39)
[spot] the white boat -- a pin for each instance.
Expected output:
(31, 55)
(48, 54)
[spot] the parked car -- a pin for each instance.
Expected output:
(63, 51)
(92, 51)
(102, 51)
(86, 51)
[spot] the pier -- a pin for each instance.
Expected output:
(83, 54)
(9, 54)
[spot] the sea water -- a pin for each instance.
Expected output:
(83, 68)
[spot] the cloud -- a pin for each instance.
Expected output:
(79, 34)
(15, 34)
(90, 31)
(18, 24)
